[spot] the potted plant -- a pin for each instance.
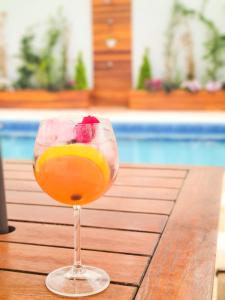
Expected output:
(190, 95)
(173, 94)
(42, 80)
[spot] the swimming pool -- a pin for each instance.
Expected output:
(196, 144)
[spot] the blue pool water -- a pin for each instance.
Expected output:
(197, 144)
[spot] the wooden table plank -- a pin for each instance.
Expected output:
(183, 265)
(116, 191)
(143, 192)
(163, 182)
(17, 161)
(125, 170)
(91, 218)
(107, 203)
(220, 286)
(19, 175)
(91, 238)
(22, 286)
(152, 172)
(120, 180)
(43, 259)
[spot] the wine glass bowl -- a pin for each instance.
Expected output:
(75, 162)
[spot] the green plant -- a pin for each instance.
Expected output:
(145, 71)
(52, 69)
(188, 47)
(214, 50)
(168, 86)
(178, 30)
(80, 77)
(63, 70)
(170, 51)
(214, 44)
(45, 67)
(29, 62)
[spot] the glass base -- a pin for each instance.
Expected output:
(88, 281)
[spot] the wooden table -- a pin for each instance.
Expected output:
(154, 232)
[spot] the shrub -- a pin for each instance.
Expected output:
(80, 77)
(29, 62)
(145, 71)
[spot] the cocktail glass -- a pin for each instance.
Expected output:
(75, 162)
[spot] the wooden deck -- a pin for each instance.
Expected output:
(154, 232)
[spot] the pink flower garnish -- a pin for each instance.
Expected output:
(90, 120)
(85, 131)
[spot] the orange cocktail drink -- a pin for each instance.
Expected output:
(73, 174)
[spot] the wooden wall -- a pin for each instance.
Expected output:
(112, 66)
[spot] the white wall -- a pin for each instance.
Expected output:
(150, 19)
(24, 13)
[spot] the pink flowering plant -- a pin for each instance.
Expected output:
(154, 85)
(70, 85)
(214, 86)
(192, 86)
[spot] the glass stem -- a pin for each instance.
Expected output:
(77, 253)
